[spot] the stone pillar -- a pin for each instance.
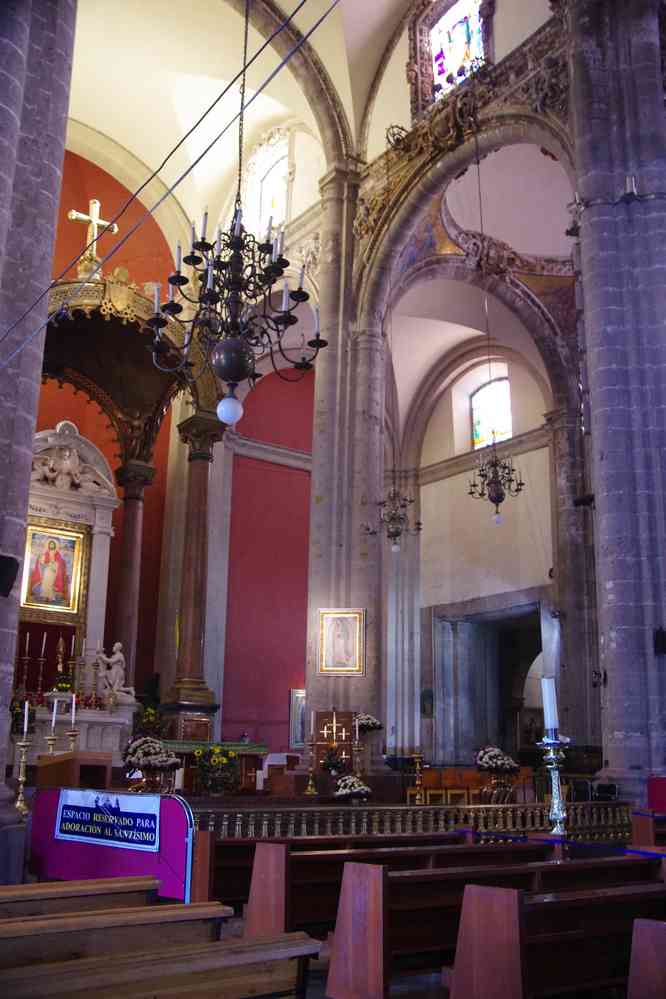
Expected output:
(579, 703)
(347, 460)
(190, 699)
(133, 476)
(617, 105)
(36, 42)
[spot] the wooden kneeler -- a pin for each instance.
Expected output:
(474, 974)
(647, 973)
(359, 964)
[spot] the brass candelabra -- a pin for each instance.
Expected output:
(311, 789)
(22, 746)
(552, 745)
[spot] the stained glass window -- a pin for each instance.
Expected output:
(491, 412)
(456, 40)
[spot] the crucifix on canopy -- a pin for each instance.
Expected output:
(90, 260)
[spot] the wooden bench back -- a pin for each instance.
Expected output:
(647, 972)
(68, 936)
(48, 897)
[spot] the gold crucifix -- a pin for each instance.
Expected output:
(89, 260)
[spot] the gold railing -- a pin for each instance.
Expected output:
(597, 821)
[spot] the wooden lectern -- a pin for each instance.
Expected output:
(84, 770)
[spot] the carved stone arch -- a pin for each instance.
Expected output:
(311, 75)
(443, 376)
(376, 285)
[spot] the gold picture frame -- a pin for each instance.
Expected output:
(55, 570)
(342, 641)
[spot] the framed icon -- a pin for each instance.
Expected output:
(342, 642)
(53, 568)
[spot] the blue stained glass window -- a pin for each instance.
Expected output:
(491, 413)
(456, 41)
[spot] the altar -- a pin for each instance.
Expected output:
(250, 757)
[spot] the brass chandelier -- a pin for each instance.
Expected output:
(394, 519)
(233, 294)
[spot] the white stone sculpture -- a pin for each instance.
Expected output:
(113, 677)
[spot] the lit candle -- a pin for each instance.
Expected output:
(27, 642)
(156, 293)
(43, 645)
(71, 654)
(301, 278)
(285, 297)
(335, 726)
(237, 223)
(269, 230)
(312, 723)
(26, 708)
(53, 714)
(549, 696)
(179, 257)
(204, 225)
(73, 709)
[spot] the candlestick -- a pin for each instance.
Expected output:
(156, 298)
(311, 724)
(23, 686)
(53, 715)
(60, 655)
(22, 747)
(179, 257)
(71, 651)
(311, 788)
(335, 725)
(71, 667)
(419, 797)
(553, 759)
(549, 696)
(27, 642)
(356, 757)
(43, 644)
(51, 742)
(73, 710)
(26, 709)
(204, 226)
(356, 724)
(40, 676)
(72, 736)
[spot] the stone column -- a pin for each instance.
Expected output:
(579, 703)
(190, 699)
(133, 476)
(617, 93)
(346, 459)
(36, 42)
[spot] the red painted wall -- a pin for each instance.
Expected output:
(147, 258)
(268, 568)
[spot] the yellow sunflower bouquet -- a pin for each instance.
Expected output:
(217, 770)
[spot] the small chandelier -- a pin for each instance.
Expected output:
(394, 517)
(235, 319)
(494, 479)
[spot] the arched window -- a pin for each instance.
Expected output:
(266, 193)
(491, 412)
(444, 37)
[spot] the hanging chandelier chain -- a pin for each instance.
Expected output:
(486, 315)
(241, 119)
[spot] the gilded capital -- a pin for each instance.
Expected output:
(201, 432)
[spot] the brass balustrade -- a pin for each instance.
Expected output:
(596, 821)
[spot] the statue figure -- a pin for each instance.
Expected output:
(67, 469)
(113, 678)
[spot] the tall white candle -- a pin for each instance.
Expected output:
(83, 649)
(53, 714)
(316, 320)
(237, 223)
(301, 278)
(356, 724)
(26, 708)
(285, 296)
(204, 225)
(281, 242)
(179, 257)
(73, 709)
(71, 654)
(312, 723)
(194, 234)
(156, 292)
(209, 280)
(218, 241)
(275, 249)
(171, 293)
(43, 644)
(269, 230)
(549, 697)
(27, 642)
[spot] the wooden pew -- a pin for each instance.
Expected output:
(412, 916)
(48, 897)
(647, 971)
(517, 946)
(299, 889)
(234, 858)
(65, 936)
(232, 969)
(648, 828)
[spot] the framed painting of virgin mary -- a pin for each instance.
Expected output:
(52, 569)
(342, 641)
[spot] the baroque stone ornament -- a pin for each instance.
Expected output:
(68, 462)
